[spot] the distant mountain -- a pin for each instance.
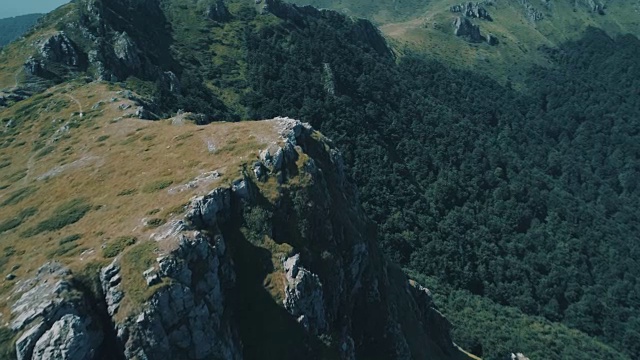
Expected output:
(11, 28)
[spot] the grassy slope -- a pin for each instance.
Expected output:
(426, 28)
(104, 177)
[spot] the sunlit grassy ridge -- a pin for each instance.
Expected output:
(106, 180)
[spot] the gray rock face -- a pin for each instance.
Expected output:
(172, 81)
(304, 297)
(34, 66)
(338, 287)
(472, 10)
(60, 49)
(58, 326)
(204, 210)
(187, 317)
(126, 51)
(110, 280)
(464, 27)
(530, 12)
(435, 325)
(218, 12)
(67, 339)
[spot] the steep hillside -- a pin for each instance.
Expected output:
(519, 29)
(524, 197)
(14, 27)
(115, 229)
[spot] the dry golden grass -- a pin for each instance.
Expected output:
(127, 170)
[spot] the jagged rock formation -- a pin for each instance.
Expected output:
(472, 10)
(530, 12)
(126, 51)
(60, 49)
(339, 296)
(218, 12)
(492, 40)
(464, 27)
(57, 50)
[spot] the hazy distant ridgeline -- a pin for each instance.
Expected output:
(13, 27)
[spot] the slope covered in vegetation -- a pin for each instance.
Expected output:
(525, 197)
(13, 27)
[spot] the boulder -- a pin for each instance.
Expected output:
(465, 28)
(218, 12)
(303, 296)
(472, 10)
(60, 49)
(126, 51)
(492, 40)
(67, 339)
(34, 66)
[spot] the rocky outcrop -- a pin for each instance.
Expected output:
(333, 289)
(492, 39)
(56, 50)
(126, 51)
(60, 49)
(186, 319)
(218, 12)
(472, 10)
(530, 12)
(436, 326)
(465, 28)
(34, 66)
(58, 325)
(303, 296)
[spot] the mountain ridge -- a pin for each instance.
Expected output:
(442, 167)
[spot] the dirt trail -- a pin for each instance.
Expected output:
(80, 111)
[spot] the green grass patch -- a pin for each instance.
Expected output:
(131, 138)
(5, 163)
(157, 186)
(127, 192)
(183, 136)
(156, 222)
(65, 214)
(134, 262)
(18, 195)
(68, 249)
(102, 138)
(70, 238)
(115, 247)
(16, 176)
(44, 152)
(16, 221)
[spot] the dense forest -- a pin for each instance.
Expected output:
(13, 27)
(526, 197)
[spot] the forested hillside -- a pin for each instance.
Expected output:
(13, 27)
(527, 198)
(524, 201)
